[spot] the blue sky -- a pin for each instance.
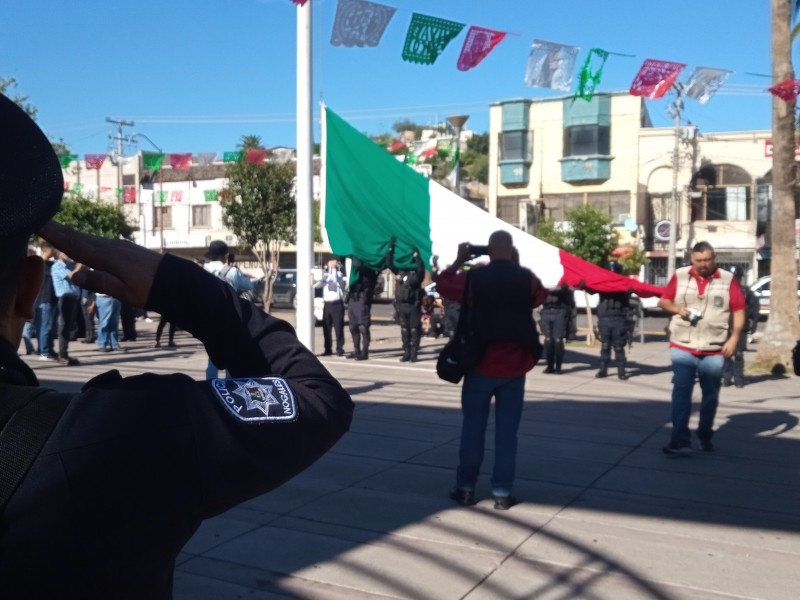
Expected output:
(197, 76)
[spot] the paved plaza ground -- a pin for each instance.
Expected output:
(603, 514)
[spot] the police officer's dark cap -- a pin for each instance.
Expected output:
(31, 181)
(217, 250)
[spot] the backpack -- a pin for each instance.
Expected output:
(27, 417)
(223, 274)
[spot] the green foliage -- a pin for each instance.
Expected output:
(98, 218)
(476, 165)
(479, 144)
(250, 142)
(632, 260)
(8, 86)
(259, 204)
(406, 125)
(547, 232)
(591, 236)
(382, 139)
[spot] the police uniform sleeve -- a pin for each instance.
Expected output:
(280, 409)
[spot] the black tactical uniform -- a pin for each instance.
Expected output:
(359, 308)
(613, 311)
(555, 320)
(408, 302)
(135, 464)
(733, 369)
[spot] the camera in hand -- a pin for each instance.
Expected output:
(694, 316)
(475, 250)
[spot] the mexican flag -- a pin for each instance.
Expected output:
(370, 197)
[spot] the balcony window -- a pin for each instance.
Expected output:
(515, 146)
(587, 140)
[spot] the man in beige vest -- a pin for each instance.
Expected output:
(707, 305)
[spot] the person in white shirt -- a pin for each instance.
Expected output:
(333, 289)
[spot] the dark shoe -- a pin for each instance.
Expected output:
(413, 358)
(558, 371)
(726, 383)
(157, 345)
(463, 497)
(504, 502)
(340, 353)
(363, 356)
(405, 358)
(353, 355)
(739, 384)
(549, 370)
(705, 442)
(107, 350)
(673, 449)
(622, 375)
(327, 353)
(602, 373)
(68, 361)
(172, 345)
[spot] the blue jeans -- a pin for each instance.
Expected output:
(45, 316)
(708, 370)
(476, 400)
(27, 329)
(108, 310)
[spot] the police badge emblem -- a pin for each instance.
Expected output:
(265, 399)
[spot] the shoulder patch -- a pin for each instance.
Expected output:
(265, 399)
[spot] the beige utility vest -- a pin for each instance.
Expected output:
(712, 330)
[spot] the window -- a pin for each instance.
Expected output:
(721, 193)
(201, 216)
(163, 217)
(586, 140)
(515, 145)
(508, 210)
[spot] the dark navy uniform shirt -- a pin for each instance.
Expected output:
(135, 464)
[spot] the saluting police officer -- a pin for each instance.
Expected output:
(359, 307)
(612, 322)
(100, 489)
(408, 301)
(555, 319)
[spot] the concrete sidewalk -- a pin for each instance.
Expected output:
(604, 513)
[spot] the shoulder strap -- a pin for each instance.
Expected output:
(29, 415)
(223, 272)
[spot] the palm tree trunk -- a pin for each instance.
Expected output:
(783, 327)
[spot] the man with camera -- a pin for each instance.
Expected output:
(500, 299)
(707, 305)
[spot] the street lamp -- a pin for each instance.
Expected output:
(160, 191)
(457, 122)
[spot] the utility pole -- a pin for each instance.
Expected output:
(674, 111)
(119, 138)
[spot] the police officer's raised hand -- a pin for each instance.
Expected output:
(118, 268)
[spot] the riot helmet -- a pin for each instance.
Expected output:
(737, 271)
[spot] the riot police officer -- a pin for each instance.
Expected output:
(613, 310)
(733, 368)
(359, 308)
(555, 319)
(408, 301)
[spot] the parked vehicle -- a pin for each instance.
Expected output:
(761, 289)
(284, 292)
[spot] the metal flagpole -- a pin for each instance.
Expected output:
(304, 189)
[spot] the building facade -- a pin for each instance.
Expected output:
(549, 156)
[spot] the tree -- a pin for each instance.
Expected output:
(259, 207)
(104, 219)
(250, 142)
(8, 86)
(782, 328)
(590, 237)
